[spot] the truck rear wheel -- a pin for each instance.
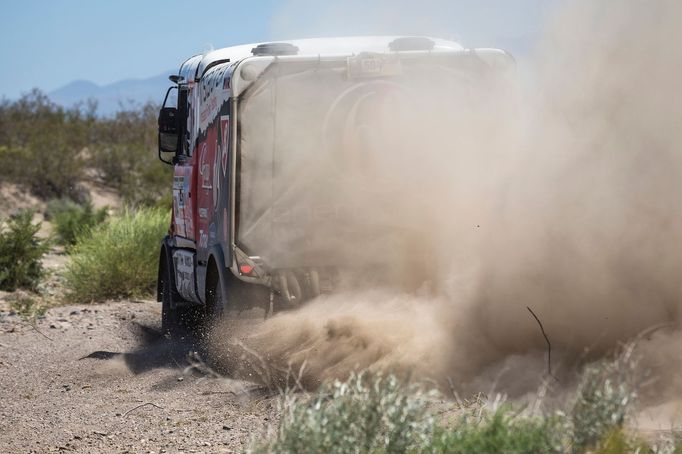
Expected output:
(214, 297)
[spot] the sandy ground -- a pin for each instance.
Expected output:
(14, 198)
(106, 381)
(101, 378)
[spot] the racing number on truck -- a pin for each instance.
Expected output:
(182, 202)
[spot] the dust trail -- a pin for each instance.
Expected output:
(576, 214)
(338, 334)
(591, 231)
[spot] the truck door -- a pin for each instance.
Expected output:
(182, 200)
(176, 105)
(207, 185)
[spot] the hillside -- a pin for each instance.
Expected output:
(112, 96)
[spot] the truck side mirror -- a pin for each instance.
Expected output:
(169, 129)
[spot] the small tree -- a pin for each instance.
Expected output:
(20, 253)
(72, 220)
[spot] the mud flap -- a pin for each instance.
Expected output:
(185, 276)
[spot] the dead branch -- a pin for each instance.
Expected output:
(35, 328)
(265, 374)
(652, 329)
(208, 393)
(549, 344)
(140, 406)
(300, 375)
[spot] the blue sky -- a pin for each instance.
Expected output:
(47, 44)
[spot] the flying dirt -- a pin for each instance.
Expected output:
(571, 207)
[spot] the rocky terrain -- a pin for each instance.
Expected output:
(100, 378)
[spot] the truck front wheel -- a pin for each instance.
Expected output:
(180, 321)
(214, 296)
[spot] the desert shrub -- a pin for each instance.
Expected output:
(135, 172)
(44, 142)
(363, 414)
(503, 431)
(125, 156)
(71, 220)
(28, 308)
(605, 393)
(377, 414)
(12, 160)
(149, 184)
(48, 149)
(677, 443)
(380, 414)
(118, 258)
(21, 252)
(51, 168)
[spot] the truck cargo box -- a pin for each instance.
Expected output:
(336, 155)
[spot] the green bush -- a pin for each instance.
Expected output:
(124, 155)
(71, 220)
(149, 183)
(605, 393)
(44, 144)
(363, 414)
(28, 308)
(500, 432)
(13, 160)
(117, 259)
(21, 252)
(380, 415)
(51, 150)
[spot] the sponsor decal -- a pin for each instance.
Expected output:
(206, 111)
(203, 168)
(216, 177)
(203, 239)
(179, 225)
(225, 134)
(184, 274)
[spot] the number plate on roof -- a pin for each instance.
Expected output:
(373, 65)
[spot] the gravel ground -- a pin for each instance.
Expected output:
(100, 378)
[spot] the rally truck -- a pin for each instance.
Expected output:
(295, 165)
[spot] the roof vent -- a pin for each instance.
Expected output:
(274, 49)
(411, 43)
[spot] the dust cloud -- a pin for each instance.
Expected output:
(570, 206)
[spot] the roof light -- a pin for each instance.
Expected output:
(274, 49)
(411, 43)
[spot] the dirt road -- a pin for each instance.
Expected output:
(106, 381)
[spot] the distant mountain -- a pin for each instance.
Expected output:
(110, 98)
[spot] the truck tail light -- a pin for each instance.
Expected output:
(245, 269)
